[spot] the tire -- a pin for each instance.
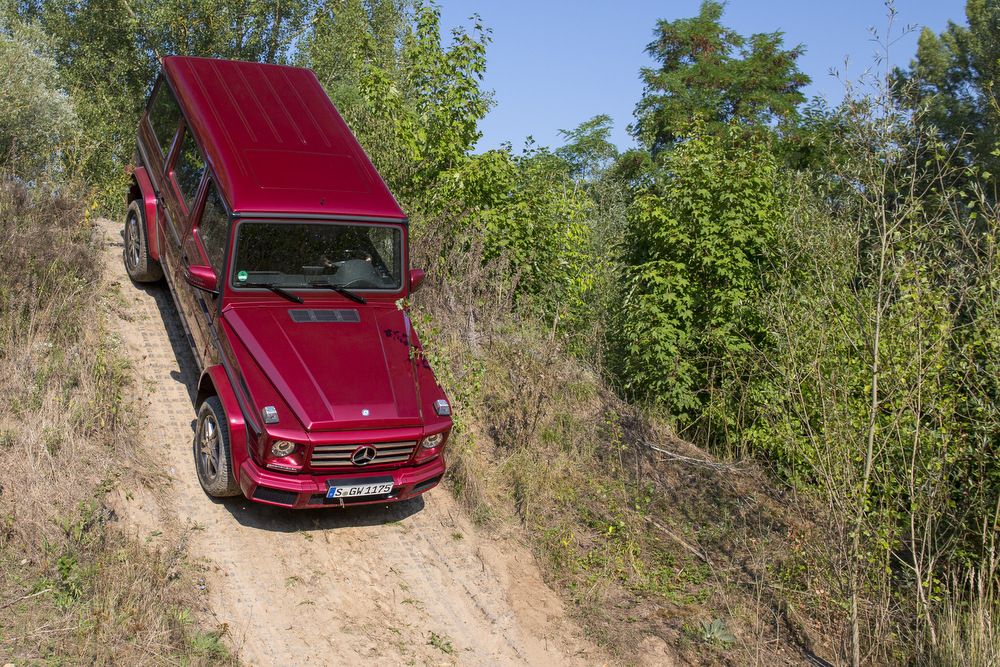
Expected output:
(138, 264)
(213, 458)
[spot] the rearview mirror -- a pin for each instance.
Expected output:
(202, 277)
(416, 277)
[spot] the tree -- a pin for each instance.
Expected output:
(38, 123)
(709, 71)
(955, 76)
(588, 149)
(107, 53)
(257, 30)
(414, 102)
(694, 247)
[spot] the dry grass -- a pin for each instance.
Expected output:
(967, 628)
(74, 589)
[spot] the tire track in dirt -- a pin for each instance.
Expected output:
(409, 583)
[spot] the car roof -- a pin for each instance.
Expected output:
(275, 141)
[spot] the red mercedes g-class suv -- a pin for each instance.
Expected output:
(287, 259)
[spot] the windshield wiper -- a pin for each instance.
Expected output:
(277, 290)
(340, 289)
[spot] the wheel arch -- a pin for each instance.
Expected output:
(141, 189)
(215, 382)
(206, 388)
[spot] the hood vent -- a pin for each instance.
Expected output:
(310, 315)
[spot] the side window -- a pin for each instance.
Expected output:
(188, 168)
(164, 116)
(213, 228)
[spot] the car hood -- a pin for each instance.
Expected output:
(336, 368)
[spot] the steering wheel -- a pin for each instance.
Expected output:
(356, 253)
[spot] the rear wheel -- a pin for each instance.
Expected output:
(138, 264)
(212, 456)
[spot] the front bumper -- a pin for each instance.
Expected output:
(308, 491)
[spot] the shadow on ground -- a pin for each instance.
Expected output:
(282, 520)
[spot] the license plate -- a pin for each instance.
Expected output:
(359, 490)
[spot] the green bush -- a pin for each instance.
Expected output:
(38, 124)
(696, 239)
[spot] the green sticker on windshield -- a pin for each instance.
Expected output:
(242, 276)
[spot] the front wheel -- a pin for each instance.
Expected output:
(138, 264)
(212, 456)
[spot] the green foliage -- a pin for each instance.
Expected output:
(526, 210)
(711, 72)
(414, 103)
(107, 73)
(446, 88)
(107, 55)
(953, 79)
(877, 386)
(694, 246)
(38, 123)
(260, 30)
(588, 149)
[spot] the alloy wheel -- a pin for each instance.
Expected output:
(209, 443)
(132, 241)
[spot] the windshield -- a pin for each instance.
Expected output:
(284, 254)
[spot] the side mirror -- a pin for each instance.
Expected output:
(202, 277)
(416, 277)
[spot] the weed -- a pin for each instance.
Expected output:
(441, 643)
(209, 645)
(716, 632)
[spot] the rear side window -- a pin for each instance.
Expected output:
(164, 116)
(188, 169)
(213, 228)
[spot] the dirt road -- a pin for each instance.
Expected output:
(412, 583)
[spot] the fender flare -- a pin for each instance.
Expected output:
(217, 378)
(149, 205)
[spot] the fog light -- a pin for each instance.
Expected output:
(432, 441)
(282, 448)
(442, 408)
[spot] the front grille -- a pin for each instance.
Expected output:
(324, 456)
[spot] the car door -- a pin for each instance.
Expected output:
(185, 175)
(157, 138)
(206, 243)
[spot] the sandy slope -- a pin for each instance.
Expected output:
(412, 583)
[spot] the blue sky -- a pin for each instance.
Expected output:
(555, 63)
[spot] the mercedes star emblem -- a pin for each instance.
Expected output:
(363, 455)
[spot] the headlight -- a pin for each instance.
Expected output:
(432, 441)
(282, 448)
